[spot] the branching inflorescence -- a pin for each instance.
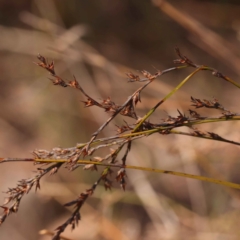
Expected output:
(122, 141)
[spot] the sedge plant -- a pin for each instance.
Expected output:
(50, 161)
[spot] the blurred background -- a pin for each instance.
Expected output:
(98, 42)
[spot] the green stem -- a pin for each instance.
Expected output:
(201, 178)
(221, 76)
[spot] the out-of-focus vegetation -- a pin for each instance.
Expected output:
(98, 41)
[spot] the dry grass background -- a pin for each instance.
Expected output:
(98, 41)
